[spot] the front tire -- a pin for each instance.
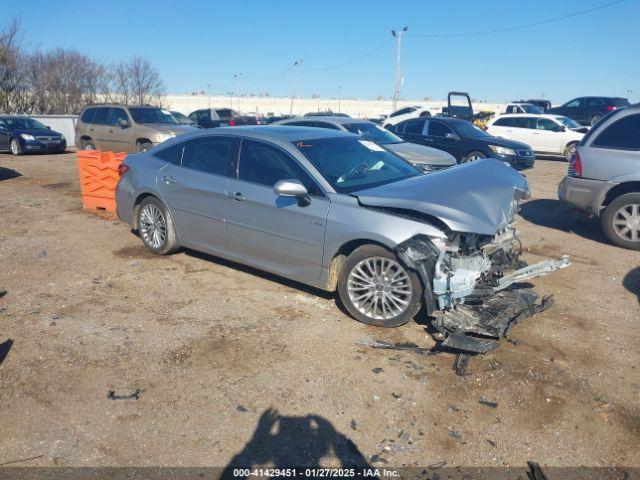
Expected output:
(143, 146)
(377, 289)
(87, 145)
(156, 228)
(473, 156)
(621, 221)
(16, 148)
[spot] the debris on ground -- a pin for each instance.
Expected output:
(353, 424)
(378, 370)
(240, 408)
(132, 396)
(487, 403)
(377, 459)
(455, 434)
(535, 472)
(492, 443)
(437, 465)
(2, 293)
(412, 347)
(4, 349)
(460, 364)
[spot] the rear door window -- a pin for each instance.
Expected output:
(208, 154)
(117, 114)
(88, 115)
(621, 135)
(414, 126)
(172, 154)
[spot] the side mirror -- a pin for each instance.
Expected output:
(561, 128)
(290, 188)
(47, 127)
(451, 136)
(123, 123)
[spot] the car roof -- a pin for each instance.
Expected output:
(536, 115)
(282, 133)
(326, 118)
(118, 105)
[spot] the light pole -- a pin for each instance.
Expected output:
(237, 76)
(209, 87)
(296, 65)
(339, 97)
(396, 91)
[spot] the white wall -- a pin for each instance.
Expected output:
(64, 124)
(281, 105)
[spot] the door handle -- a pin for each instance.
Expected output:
(168, 179)
(237, 196)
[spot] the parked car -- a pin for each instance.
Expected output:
(426, 158)
(518, 107)
(589, 110)
(221, 117)
(414, 111)
(25, 135)
(327, 209)
(545, 105)
(547, 134)
(182, 118)
(326, 114)
(464, 141)
(604, 176)
(125, 128)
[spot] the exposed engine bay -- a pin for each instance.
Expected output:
(472, 285)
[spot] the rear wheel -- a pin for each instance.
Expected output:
(143, 146)
(472, 156)
(621, 221)
(425, 115)
(155, 227)
(570, 150)
(595, 119)
(377, 289)
(15, 147)
(87, 144)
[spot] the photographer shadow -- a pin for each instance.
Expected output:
(284, 442)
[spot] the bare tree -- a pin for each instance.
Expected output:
(10, 57)
(146, 84)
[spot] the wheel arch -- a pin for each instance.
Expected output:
(621, 189)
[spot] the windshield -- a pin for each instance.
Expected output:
(373, 132)
(152, 115)
(567, 122)
(528, 108)
(468, 130)
(352, 164)
(23, 124)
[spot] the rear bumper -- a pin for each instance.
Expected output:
(584, 193)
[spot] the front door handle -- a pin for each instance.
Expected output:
(237, 196)
(168, 179)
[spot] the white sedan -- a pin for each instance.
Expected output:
(414, 111)
(547, 134)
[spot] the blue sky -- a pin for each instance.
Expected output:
(194, 42)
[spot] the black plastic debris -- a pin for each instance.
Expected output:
(353, 424)
(487, 403)
(535, 472)
(411, 347)
(240, 408)
(132, 396)
(2, 293)
(378, 370)
(4, 349)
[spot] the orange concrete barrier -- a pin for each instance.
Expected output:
(98, 177)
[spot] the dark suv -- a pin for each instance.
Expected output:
(463, 140)
(221, 117)
(589, 110)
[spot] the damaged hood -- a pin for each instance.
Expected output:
(478, 197)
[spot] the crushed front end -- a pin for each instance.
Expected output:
(473, 284)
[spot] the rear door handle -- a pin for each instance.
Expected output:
(168, 179)
(237, 196)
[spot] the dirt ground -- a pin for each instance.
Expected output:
(237, 366)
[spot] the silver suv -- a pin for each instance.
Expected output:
(604, 176)
(124, 128)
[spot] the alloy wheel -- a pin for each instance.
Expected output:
(379, 288)
(15, 148)
(153, 226)
(626, 222)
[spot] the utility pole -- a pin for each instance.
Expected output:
(209, 87)
(339, 97)
(296, 65)
(396, 91)
(237, 76)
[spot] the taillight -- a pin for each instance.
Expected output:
(232, 122)
(610, 108)
(122, 169)
(575, 165)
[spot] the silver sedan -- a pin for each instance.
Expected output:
(335, 211)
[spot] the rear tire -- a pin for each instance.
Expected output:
(143, 146)
(570, 150)
(377, 289)
(425, 115)
(621, 221)
(16, 148)
(472, 156)
(87, 145)
(156, 228)
(595, 119)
